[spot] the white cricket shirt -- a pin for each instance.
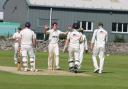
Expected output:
(84, 44)
(26, 36)
(74, 38)
(99, 37)
(16, 36)
(54, 36)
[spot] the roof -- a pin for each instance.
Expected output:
(83, 4)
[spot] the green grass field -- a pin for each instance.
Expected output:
(114, 76)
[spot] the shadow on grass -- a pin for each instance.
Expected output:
(82, 71)
(87, 71)
(108, 72)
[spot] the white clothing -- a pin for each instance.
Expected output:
(16, 37)
(27, 49)
(73, 56)
(54, 53)
(98, 51)
(16, 46)
(27, 36)
(74, 38)
(99, 39)
(53, 46)
(83, 47)
(84, 44)
(54, 36)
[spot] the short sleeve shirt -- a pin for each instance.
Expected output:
(74, 38)
(16, 36)
(26, 36)
(54, 36)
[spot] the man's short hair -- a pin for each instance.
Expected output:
(28, 24)
(54, 23)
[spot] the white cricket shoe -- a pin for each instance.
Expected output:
(57, 68)
(100, 72)
(33, 70)
(96, 71)
(25, 69)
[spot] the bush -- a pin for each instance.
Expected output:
(62, 36)
(2, 38)
(119, 39)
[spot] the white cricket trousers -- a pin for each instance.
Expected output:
(98, 51)
(53, 54)
(16, 45)
(81, 55)
(27, 51)
(73, 56)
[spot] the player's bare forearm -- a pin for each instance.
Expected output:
(66, 45)
(34, 41)
(81, 39)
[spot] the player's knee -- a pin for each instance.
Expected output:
(25, 64)
(24, 58)
(57, 56)
(32, 59)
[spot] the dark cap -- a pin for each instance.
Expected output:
(28, 24)
(75, 26)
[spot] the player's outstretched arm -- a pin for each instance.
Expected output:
(66, 45)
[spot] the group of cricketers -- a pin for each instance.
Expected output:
(76, 44)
